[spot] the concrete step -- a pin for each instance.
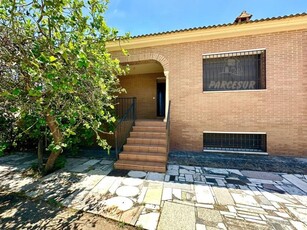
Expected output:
(140, 165)
(149, 129)
(150, 123)
(152, 135)
(145, 148)
(143, 156)
(146, 141)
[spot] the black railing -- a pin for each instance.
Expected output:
(126, 113)
(168, 126)
(246, 142)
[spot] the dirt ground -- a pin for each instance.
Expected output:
(20, 212)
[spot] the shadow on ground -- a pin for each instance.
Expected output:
(20, 212)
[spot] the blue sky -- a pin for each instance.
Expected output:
(151, 16)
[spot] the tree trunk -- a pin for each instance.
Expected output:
(57, 138)
(40, 153)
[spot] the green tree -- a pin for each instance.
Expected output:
(55, 68)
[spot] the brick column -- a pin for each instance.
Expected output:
(166, 74)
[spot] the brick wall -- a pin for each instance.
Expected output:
(144, 88)
(280, 110)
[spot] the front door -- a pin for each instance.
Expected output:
(160, 99)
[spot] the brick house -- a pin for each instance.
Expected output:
(238, 87)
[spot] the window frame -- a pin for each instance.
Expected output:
(237, 149)
(262, 68)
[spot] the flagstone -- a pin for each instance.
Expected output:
(189, 178)
(106, 162)
(235, 181)
(191, 168)
(255, 190)
(103, 186)
(203, 194)
(167, 194)
(142, 195)
(235, 171)
(185, 171)
(83, 167)
(131, 216)
(75, 198)
(148, 221)
(122, 203)
(115, 185)
(296, 193)
(262, 175)
(300, 213)
(272, 197)
(242, 225)
(219, 171)
(152, 207)
(172, 172)
(247, 214)
(268, 207)
(204, 205)
(222, 196)
(296, 181)
(182, 186)
(177, 193)
(200, 227)
(273, 188)
(231, 208)
(155, 176)
(153, 194)
(262, 200)
(209, 215)
(298, 225)
(127, 191)
(282, 214)
(102, 171)
(220, 182)
(244, 199)
(132, 181)
(91, 162)
(233, 214)
(137, 174)
(87, 183)
(177, 216)
(173, 167)
(260, 181)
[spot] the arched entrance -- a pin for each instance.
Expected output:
(147, 82)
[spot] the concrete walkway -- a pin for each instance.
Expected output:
(186, 197)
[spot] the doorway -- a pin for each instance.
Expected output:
(161, 99)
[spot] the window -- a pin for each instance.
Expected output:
(246, 142)
(241, 70)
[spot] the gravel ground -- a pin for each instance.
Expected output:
(241, 162)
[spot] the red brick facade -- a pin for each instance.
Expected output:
(280, 110)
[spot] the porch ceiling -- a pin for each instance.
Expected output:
(145, 68)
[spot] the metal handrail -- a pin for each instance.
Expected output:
(124, 126)
(168, 126)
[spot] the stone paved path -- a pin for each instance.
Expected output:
(186, 197)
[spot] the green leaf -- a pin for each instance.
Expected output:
(52, 59)
(16, 92)
(34, 93)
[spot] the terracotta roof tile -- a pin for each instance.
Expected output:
(219, 25)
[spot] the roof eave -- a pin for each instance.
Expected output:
(220, 32)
